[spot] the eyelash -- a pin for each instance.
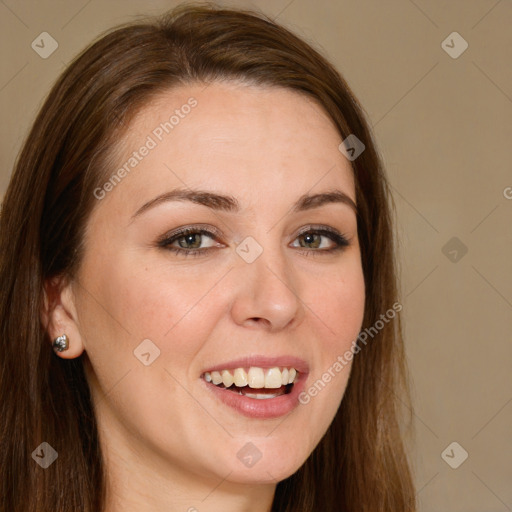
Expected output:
(340, 240)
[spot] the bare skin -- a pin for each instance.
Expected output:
(169, 445)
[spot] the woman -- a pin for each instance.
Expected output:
(260, 374)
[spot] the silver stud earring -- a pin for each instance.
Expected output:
(61, 343)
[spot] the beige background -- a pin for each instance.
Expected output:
(443, 127)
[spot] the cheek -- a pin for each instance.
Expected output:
(338, 305)
(176, 308)
(339, 311)
(169, 306)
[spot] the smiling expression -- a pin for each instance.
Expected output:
(259, 267)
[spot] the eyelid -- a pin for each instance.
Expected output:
(339, 239)
(208, 229)
(317, 227)
(204, 229)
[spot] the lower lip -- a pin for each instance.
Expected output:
(259, 408)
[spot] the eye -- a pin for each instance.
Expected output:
(312, 237)
(189, 241)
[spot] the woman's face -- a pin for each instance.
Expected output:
(254, 284)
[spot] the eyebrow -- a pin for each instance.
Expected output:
(230, 204)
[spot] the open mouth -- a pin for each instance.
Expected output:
(261, 393)
(254, 382)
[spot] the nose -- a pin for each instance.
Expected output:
(266, 294)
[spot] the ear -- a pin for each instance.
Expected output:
(59, 316)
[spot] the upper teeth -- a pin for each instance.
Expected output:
(254, 378)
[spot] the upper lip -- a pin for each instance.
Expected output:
(263, 362)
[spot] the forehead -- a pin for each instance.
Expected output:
(259, 142)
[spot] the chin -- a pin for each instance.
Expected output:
(263, 460)
(262, 473)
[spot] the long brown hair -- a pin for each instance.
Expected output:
(360, 464)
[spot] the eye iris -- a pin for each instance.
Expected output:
(189, 239)
(309, 239)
